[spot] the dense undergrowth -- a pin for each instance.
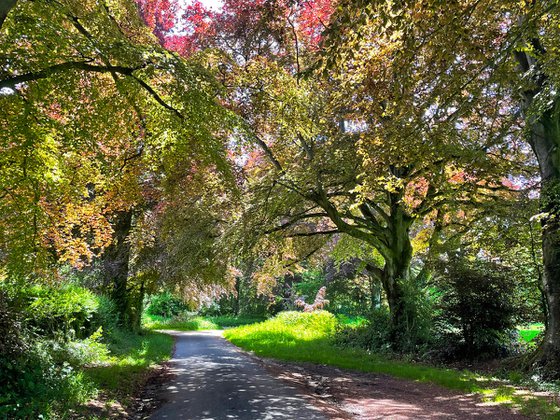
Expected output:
(312, 337)
(62, 347)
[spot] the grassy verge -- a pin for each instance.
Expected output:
(131, 356)
(195, 323)
(307, 338)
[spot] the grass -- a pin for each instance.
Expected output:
(131, 356)
(301, 337)
(528, 333)
(189, 322)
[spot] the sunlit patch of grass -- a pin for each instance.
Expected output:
(131, 357)
(528, 333)
(188, 322)
(301, 337)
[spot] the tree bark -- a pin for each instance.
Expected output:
(116, 263)
(396, 275)
(546, 143)
(544, 139)
(5, 7)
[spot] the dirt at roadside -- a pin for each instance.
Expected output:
(354, 395)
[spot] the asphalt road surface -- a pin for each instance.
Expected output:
(215, 380)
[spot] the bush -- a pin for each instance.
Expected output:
(33, 384)
(48, 334)
(66, 312)
(106, 315)
(11, 328)
(373, 335)
(165, 305)
(320, 322)
(477, 311)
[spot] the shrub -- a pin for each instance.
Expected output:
(166, 305)
(320, 322)
(106, 315)
(65, 312)
(42, 350)
(33, 384)
(373, 335)
(477, 307)
(11, 328)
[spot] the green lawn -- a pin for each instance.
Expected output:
(304, 337)
(195, 323)
(528, 333)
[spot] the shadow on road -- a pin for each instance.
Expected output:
(214, 380)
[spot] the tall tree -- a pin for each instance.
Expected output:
(95, 109)
(370, 144)
(490, 50)
(539, 60)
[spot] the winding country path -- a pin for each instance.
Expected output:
(215, 380)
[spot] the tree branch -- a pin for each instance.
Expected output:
(5, 7)
(11, 82)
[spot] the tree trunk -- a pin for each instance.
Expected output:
(546, 144)
(396, 274)
(115, 265)
(545, 141)
(5, 7)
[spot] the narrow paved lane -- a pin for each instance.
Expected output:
(215, 380)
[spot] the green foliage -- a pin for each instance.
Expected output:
(182, 322)
(373, 335)
(477, 310)
(165, 305)
(107, 315)
(309, 284)
(61, 345)
(68, 310)
(285, 330)
(38, 382)
(530, 333)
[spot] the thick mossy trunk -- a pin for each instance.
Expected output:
(396, 276)
(545, 141)
(550, 197)
(115, 266)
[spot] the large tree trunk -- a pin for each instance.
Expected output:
(545, 141)
(546, 144)
(115, 265)
(396, 275)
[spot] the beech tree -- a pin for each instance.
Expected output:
(483, 48)
(96, 112)
(367, 143)
(538, 57)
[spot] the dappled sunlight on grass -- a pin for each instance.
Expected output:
(188, 322)
(131, 355)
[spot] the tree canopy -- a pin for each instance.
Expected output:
(172, 144)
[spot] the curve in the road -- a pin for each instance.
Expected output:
(215, 380)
